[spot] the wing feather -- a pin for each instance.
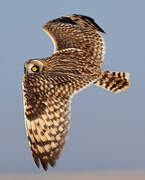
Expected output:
(47, 113)
(76, 31)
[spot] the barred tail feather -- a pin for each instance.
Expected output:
(113, 81)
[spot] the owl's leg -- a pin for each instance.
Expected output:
(113, 81)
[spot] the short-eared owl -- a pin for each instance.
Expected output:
(49, 83)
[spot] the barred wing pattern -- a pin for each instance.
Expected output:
(47, 110)
(76, 31)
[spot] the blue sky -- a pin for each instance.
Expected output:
(107, 130)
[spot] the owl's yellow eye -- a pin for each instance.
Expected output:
(35, 68)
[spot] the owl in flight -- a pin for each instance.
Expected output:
(50, 83)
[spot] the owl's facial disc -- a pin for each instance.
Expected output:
(33, 66)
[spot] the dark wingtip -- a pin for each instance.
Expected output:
(72, 19)
(90, 21)
(36, 160)
(100, 29)
(64, 19)
(44, 164)
(52, 162)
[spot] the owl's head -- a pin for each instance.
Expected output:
(33, 66)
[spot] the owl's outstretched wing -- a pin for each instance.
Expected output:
(76, 31)
(47, 110)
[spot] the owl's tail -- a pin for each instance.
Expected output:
(113, 81)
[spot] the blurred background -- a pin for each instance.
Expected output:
(107, 130)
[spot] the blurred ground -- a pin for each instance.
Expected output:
(123, 175)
